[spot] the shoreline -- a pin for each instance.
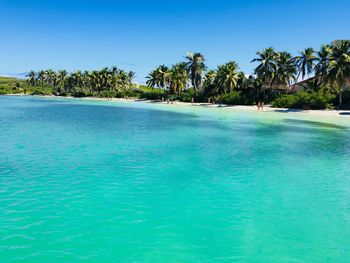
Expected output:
(267, 108)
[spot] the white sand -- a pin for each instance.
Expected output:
(267, 108)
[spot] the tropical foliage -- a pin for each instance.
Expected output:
(195, 66)
(106, 82)
(276, 77)
(305, 100)
(339, 66)
(12, 86)
(276, 73)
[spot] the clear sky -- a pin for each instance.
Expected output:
(140, 35)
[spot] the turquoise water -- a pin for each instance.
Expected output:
(136, 182)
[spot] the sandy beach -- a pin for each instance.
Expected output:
(267, 108)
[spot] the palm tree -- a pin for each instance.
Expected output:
(62, 74)
(251, 87)
(41, 77)
(86, 81)
(77, 79)
(51, 77)
(209, 83)
(322, 65)
(339, 65)
(131, 75)
(195, 66)
(163, 74)
(114, 70)
(178, 78)
(127, 77)
(159, 77)
(95, 81)
(113, 79)
(267, 67)
(31, 77)
(124, 79)
(104, 76)
(227, 77)
(305, 63)
(285, 70)
(152, 79)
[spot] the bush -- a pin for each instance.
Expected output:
(346, 96)
(233, 98)
(187, 95)
(127, 93)
(305, 100)
(5, 89)
(346, 100)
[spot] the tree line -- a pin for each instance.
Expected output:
(106, 81)
(276, 72)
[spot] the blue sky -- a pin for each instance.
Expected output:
(140, 35)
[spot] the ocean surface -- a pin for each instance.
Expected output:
(101, 181)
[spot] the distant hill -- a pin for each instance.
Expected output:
(9, 85)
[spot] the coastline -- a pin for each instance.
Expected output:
(267, 108)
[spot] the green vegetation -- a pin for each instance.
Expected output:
(13, 86)
(274, 80)
(34, 86)
(107, 82)
(305, 100)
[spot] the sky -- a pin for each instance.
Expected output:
(140, 35)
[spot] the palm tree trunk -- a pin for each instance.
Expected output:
(296, 81)
(264, 89)
(194, 85)
(270, 85)
(341, 96)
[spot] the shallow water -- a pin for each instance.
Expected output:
(134, 182)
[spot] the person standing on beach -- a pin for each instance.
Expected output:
(258, 105)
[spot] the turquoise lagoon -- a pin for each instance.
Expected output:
(100, 181)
